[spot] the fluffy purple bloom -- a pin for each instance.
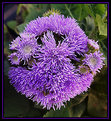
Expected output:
(57, 66)
(54, 56)
(94, 61)
(27, 48)
(25, 45)
(61, 26)
(27, 35)
(48, 89)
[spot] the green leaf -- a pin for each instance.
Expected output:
(21, 27)
(98, 9)
(101, 25)
(78, 110)
(63, 112)
(78, 99)
(5, 29)
(15, 105)
(6, 43)
(12, 24)
(83, 11)
(33, 15)
(37, 10)
(77, 11)
(26, 7)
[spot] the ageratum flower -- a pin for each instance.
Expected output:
(25, 46)
(62, 26)
(94, 61)
(58, 64)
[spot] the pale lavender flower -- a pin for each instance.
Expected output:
(25, 45)
(94, 61)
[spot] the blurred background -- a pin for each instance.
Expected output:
(92, 18)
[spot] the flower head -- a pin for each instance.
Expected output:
(58, 66)
(25, 45)
(94, 61)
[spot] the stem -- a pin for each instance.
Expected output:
(80, 13)
(69, 11)
(105, 17)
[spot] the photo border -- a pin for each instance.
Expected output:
(107, 56)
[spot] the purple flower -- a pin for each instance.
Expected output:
(25, 45)
(53, 55)
(60, 25)
(94, 61)
(50, 90)
(27, 35)
(57, 64)
(15, 43)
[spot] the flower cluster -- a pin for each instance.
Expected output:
(52, 61)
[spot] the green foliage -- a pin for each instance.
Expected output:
(63, 112)
(77, 11)
(12, 24)
(21, 27)
(78, 110)
(101, 25)
(98, 9)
